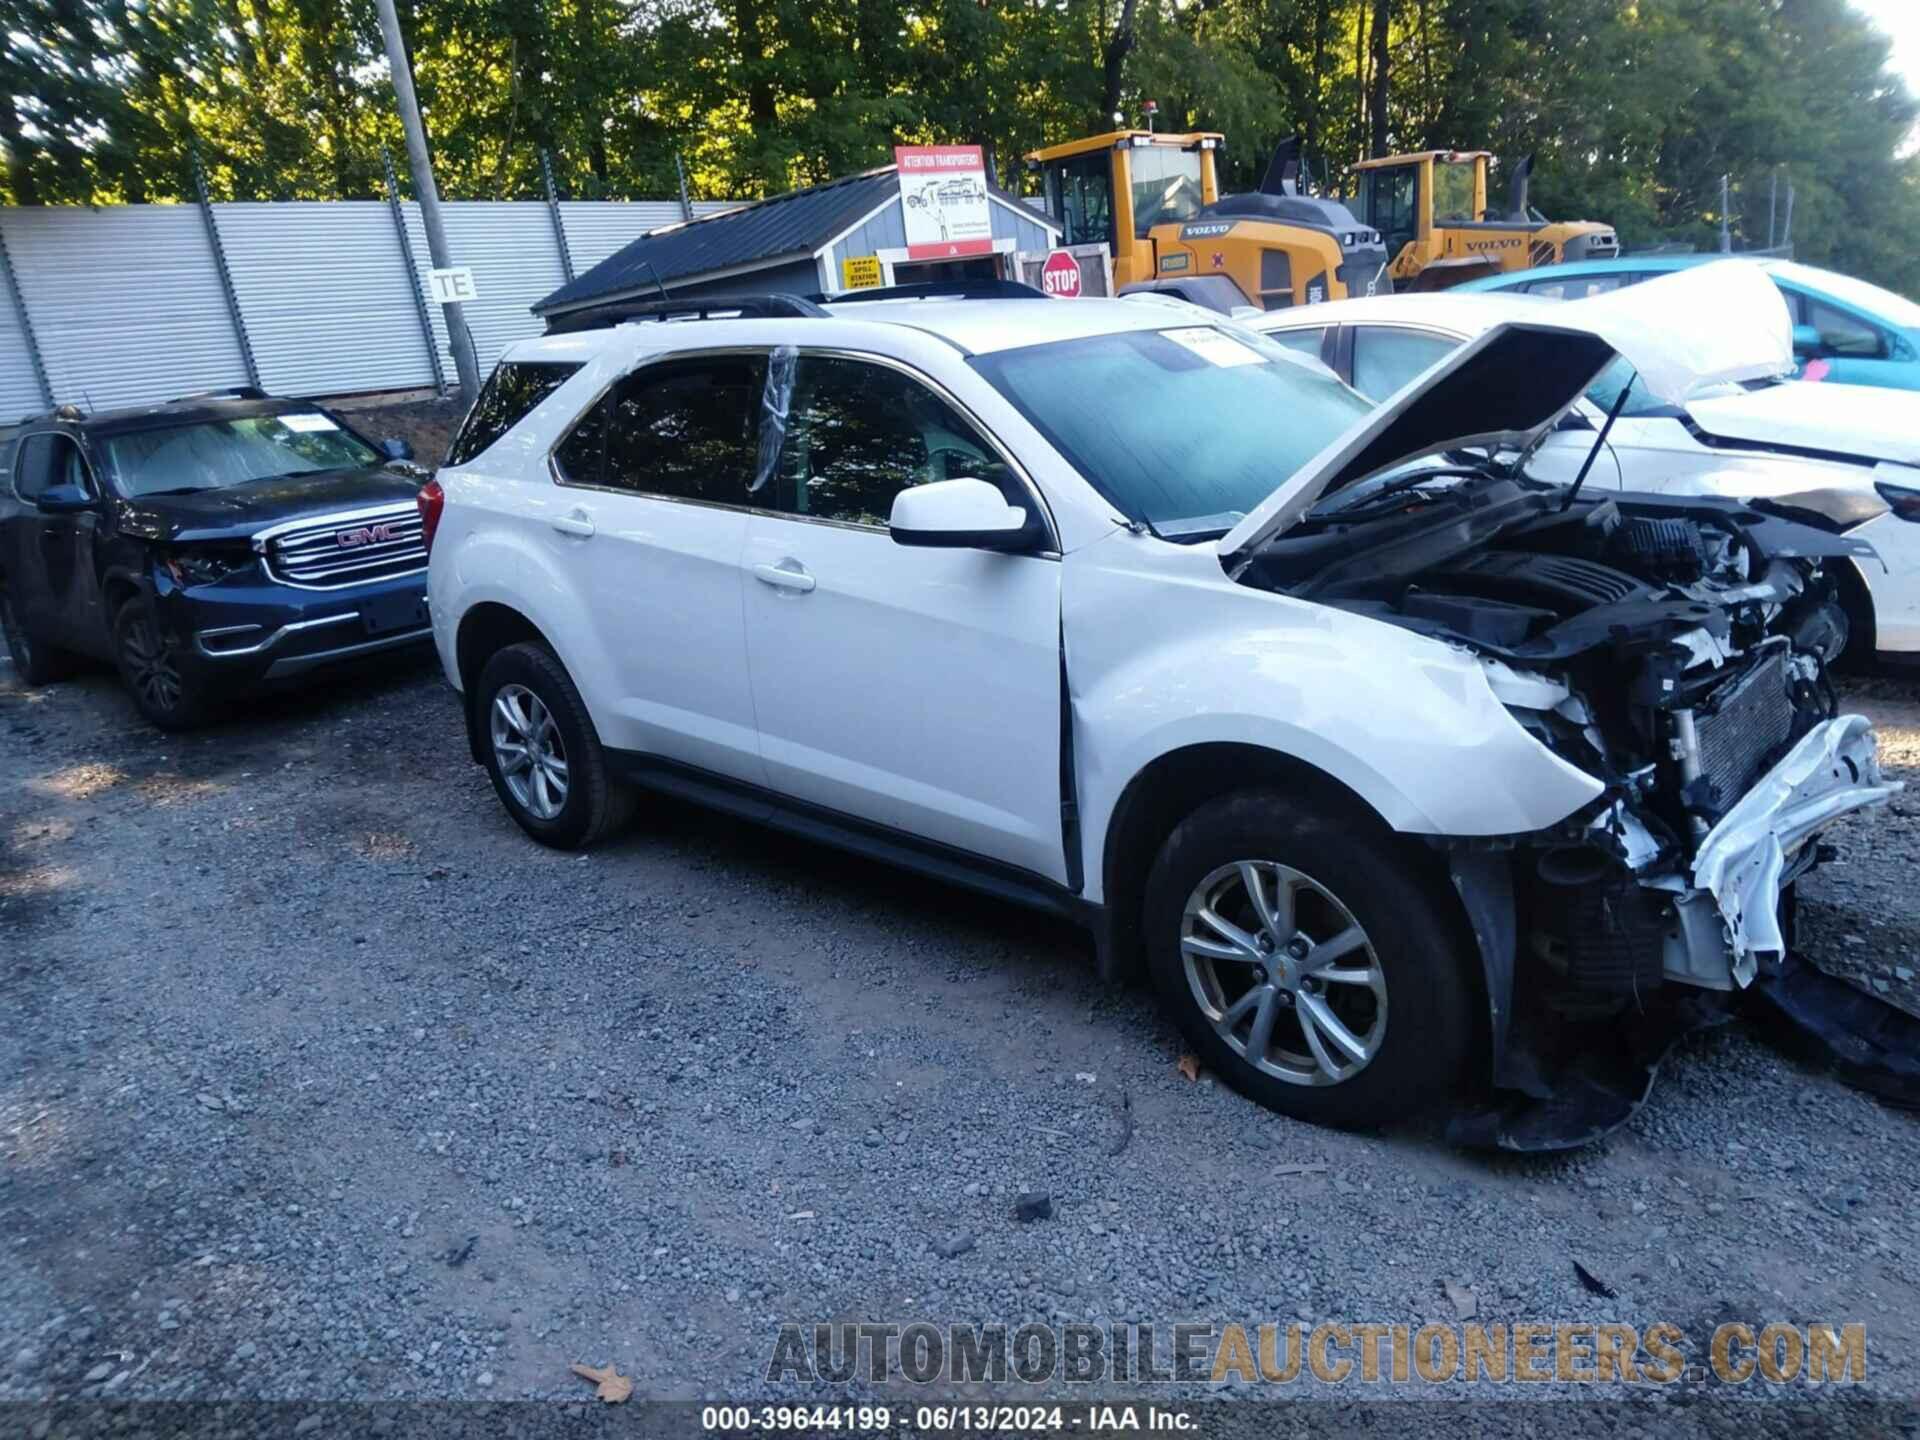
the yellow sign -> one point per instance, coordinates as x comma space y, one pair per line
860, 272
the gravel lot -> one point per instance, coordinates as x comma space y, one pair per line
318, 1080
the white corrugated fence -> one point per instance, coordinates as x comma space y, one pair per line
126, 304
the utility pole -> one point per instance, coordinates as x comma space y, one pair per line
428, 194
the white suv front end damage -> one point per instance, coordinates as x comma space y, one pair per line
1674, 649
1747, 860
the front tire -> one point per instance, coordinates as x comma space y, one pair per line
1307, 963
38, 664
162, 687
542, 753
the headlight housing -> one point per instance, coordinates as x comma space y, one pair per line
206, 564
1902, 501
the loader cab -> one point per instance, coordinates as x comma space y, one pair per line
1405, 197
1113, 189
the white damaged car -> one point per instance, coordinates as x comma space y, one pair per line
1086, 605
1844, 458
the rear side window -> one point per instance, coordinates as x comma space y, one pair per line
1307, 341
513, 389
1386, 358
682, 431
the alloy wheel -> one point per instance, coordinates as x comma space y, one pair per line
1284, 973
150, 666
528, 749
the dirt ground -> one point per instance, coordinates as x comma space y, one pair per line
422, 420
319, 1081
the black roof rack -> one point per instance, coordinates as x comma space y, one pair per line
716, 307
939, 290
231, 392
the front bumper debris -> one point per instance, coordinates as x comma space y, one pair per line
1565, 1080
1743, 861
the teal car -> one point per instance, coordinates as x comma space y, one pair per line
1845, 331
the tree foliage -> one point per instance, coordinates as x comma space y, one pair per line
1634, 108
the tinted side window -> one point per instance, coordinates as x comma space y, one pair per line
1385, 358
582, 454
859, 434
686, 430
511, 391
1841, 334
1307, 341
40, 466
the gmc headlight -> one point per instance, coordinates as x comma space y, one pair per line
204, 565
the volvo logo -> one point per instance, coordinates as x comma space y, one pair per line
365, 535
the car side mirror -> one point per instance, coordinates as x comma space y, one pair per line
395, 448
1807, 342
963, 514
64, 498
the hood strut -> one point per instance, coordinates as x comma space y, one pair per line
1619, 404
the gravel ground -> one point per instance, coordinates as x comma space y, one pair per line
319, 1081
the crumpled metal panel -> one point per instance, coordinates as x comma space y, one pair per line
1832, 771
126, 302
324, 290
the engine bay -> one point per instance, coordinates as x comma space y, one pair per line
1676, 649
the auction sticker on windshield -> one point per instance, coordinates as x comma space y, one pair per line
307, 424
1215, 347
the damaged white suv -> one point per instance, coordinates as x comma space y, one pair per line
1082, 604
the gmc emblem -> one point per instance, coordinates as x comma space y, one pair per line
365, 535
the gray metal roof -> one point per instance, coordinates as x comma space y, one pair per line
783, 227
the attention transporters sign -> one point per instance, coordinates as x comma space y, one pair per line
943, 197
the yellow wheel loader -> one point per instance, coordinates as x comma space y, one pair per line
1154, 199
1432, 210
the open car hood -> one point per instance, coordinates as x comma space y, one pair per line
1860, 422
1682, 332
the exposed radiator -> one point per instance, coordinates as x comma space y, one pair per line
1744, 727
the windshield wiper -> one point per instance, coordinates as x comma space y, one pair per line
181, 490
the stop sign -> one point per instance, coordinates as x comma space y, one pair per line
1060, 276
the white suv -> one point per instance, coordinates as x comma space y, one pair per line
1072, 602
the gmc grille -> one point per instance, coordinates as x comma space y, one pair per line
342, 550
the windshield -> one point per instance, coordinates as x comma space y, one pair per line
1643, 402
1166, 186
1453, 191
1186, 429
217, 453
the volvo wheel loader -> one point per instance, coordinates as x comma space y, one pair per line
1155, 200
1432, 210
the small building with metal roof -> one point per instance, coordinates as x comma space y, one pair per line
799, 243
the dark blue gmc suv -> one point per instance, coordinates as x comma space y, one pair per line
206, 547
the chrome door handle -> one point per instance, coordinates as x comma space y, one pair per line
574, 522
787, 575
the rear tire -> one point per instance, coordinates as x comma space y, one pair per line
163, 690
38, 664
1340, 994
542, 752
